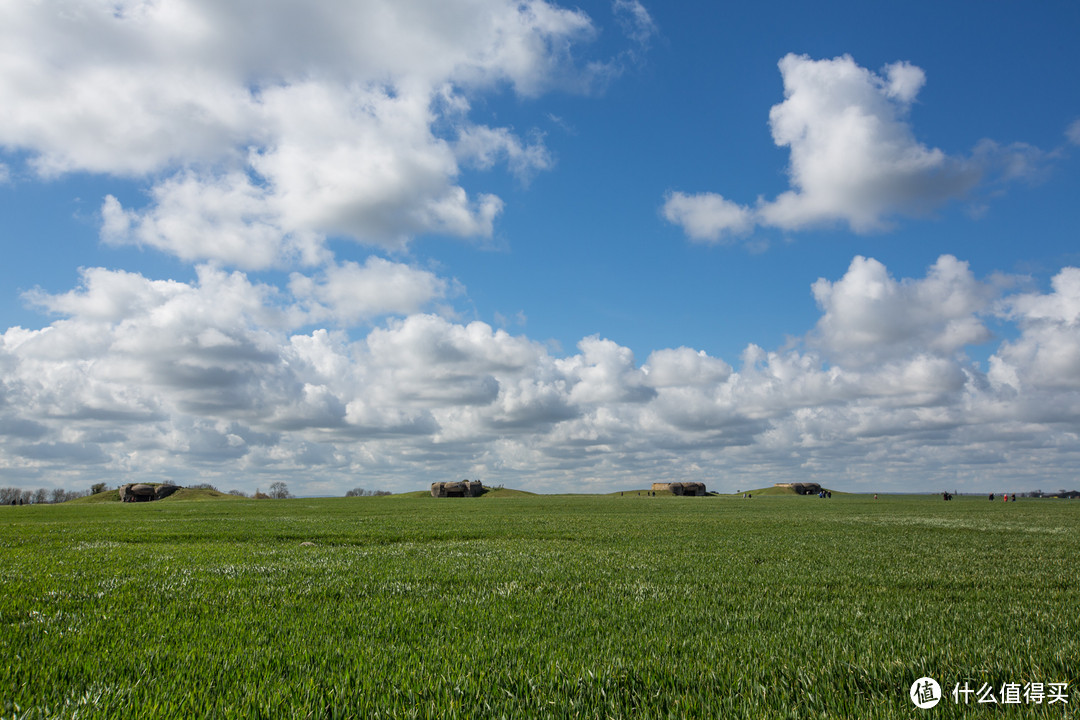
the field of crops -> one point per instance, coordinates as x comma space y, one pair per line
518, 607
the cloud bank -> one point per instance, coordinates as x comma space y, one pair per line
854, 158
216, 378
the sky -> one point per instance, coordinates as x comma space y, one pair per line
558, 247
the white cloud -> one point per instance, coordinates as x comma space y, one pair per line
213, 377
274, 127
707, 216
870, 317
684, 367
350, 293
483, 147
1073, 132
854, 157
903, 81
1047, 352
635, 20
1062, 306
227, 219
604, 372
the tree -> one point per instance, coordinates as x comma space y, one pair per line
280, 491
361, 492
98, 488
238, 493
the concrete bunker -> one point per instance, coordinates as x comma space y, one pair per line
464, 488
144, 492
695, 489
801, 488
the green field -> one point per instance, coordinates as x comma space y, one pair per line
535, 606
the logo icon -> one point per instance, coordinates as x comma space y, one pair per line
925, 693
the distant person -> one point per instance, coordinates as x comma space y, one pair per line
991, 497
1014, 497
1005, 497
875, 496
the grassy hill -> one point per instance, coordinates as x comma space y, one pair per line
107, 496
506, 492
112, 496
488, 493
200, 494
645, 491
783, 491
770, 491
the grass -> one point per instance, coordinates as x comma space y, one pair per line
189, 494
534, 606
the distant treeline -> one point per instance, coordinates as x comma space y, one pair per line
1063, 493
20, 496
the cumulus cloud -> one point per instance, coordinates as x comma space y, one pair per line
350, 293
707, 216
266, 128
870, 317
1073, 132
605, 372
227, 218
1047, 352
221, 375
854, 157
682, 367
483, 146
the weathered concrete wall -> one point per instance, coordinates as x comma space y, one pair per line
141, 492
464, 488
681, 488
801, 488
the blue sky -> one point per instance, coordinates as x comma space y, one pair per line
551, 246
